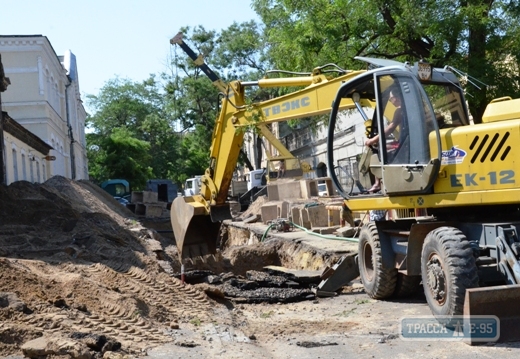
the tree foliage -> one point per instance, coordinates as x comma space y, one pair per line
119, 155
167, 126
478, 37
131, 125
174, 118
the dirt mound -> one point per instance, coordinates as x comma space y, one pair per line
72, 259
255, 208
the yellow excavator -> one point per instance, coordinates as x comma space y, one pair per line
456, 180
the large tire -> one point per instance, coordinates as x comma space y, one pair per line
448, 268
406, 285
379, 282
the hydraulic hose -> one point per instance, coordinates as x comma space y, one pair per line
325, 236
266, 231
348, 239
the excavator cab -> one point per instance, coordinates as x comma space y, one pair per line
404, 122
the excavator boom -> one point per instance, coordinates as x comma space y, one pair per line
195, 220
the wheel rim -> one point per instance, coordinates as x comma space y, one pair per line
367, 261
436, 279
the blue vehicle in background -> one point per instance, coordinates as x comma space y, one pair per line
118, 188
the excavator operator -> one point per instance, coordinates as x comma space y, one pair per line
395, 99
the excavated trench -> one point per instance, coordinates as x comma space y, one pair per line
247, 270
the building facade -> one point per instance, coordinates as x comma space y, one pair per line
25, 154
44, 98
309, 145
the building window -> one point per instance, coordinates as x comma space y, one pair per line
37, 171
24, 169
31, 169
56, 98
15, 165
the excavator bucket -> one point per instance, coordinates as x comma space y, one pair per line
500, 301
195, 231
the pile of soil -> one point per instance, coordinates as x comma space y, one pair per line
74, 261
255, 208
80, 275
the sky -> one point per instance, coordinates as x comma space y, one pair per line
117, 38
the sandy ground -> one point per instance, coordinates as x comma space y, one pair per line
74, 263
347, 326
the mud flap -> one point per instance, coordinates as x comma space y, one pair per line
196, 232
501, 301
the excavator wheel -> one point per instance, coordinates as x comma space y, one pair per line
448, 268
379, 282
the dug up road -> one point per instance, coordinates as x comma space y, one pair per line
81, 277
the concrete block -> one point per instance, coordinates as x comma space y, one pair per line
290, 189
252, 219
344, 271
333, 217
153, 210
150, 197
309, 188
348, 232
137, 197
296, 215
272, 192
269, 212
140, 209
318, 216
330, 186
325, 230
283, 209
131, 207
304, 215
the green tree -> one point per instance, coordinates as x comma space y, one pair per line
130, 117
175, 117
119, 155
477, 36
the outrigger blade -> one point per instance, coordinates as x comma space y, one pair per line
501, 301
195, 231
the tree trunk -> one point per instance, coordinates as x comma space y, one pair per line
477, 62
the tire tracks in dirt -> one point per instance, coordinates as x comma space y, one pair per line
165, 300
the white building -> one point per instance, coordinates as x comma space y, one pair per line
310, 146
25, 153
44, 98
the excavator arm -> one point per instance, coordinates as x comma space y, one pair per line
198, 60
196, 219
